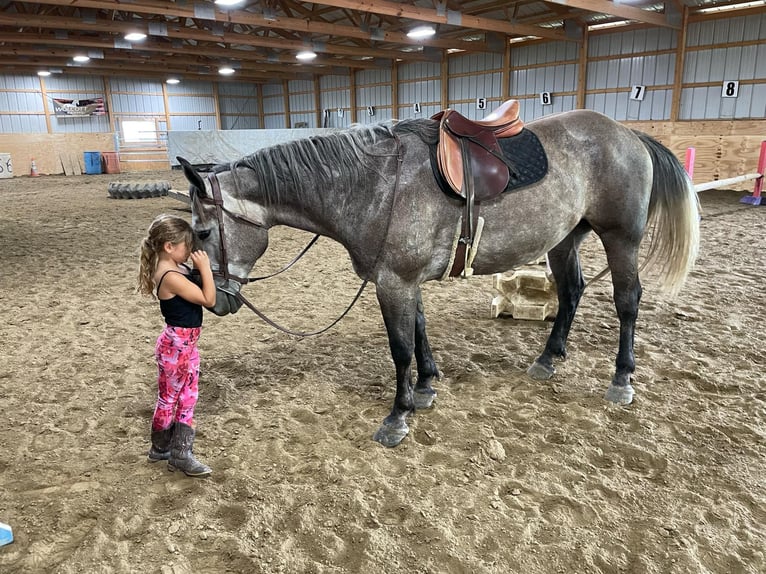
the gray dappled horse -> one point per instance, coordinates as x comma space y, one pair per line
398, 226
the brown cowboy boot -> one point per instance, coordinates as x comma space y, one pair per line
181, 456
161, 444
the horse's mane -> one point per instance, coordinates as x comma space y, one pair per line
340, 159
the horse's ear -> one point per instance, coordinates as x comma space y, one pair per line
191, 174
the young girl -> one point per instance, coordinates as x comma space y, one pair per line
164, 252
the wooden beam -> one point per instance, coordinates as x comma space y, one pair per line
242, 17
619, 10
675, 103
401, 10
177, 31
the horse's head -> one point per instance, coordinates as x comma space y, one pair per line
233, 239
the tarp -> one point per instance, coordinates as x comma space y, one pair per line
201, 147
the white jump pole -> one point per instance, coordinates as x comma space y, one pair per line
754, 199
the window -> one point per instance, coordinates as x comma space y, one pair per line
139, 131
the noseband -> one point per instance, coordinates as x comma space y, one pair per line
223, 270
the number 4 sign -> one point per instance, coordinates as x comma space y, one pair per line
730, 89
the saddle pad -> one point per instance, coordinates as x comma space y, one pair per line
523, 151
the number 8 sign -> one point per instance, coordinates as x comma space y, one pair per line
730, 89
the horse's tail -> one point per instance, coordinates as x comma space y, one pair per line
674, 215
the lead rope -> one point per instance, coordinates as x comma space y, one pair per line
241, 298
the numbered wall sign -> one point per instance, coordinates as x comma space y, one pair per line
481, 103
637, 93
370, 111
730, 89
545, 98
340, 112
416, 107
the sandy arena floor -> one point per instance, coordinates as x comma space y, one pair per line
504, 475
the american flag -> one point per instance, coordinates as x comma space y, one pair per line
79, 108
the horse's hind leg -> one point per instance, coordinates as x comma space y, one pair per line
427, 370
564, 260
622, 255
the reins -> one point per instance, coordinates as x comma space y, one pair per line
223, 270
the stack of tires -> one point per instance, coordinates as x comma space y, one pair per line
137, 190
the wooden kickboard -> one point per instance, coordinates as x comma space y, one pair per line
71, 163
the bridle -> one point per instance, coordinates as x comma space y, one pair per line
223, 267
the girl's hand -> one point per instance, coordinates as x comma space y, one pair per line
200, 260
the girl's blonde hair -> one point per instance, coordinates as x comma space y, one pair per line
164, 228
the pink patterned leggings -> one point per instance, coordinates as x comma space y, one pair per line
177, 376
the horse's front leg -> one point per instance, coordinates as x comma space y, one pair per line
427, 369
399, 307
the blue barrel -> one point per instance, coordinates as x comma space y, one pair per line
92, 162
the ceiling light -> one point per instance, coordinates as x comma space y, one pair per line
227, 2
305, 55
728, 7
81, 59
44, 73
606, 25
172, 81
421, 32
226, 71
135, 36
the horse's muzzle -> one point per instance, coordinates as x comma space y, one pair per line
226, 300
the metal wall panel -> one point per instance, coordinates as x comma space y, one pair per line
271, 89
237, 106
138, 104
415, 70
21, 101
238, 89
302, 102
424, 91
373, 96
426, 111
274, 105
304, 118
375, 76
332, 82
240, 122
191, 105
22, 124
274, 122
12, 82
191, 123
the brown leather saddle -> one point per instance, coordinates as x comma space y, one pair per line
472, 162
468, 147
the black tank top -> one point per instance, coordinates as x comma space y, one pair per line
179, 312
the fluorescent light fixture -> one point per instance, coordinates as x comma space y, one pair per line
227, 2
523, 39
135, 36
44, 73
305, 55
421, 32
172, 81
609, 25
81, 59
728, 7
226, 71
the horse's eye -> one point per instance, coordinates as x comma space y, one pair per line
204, 234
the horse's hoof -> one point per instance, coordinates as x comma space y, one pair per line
540, 372
619, 395
424, 399
391, 435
